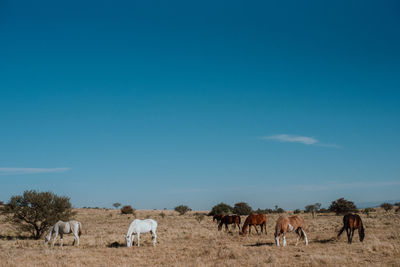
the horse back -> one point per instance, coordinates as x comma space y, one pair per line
256, 219
297, 222
352, 221
144, 226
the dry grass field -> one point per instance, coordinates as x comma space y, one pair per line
184, 241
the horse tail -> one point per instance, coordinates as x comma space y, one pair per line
79, 229
244, 227
345, 224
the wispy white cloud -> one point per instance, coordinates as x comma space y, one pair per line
18, 171
291, 138
306, 140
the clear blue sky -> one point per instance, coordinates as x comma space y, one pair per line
160, 103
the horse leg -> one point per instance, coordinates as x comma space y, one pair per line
76, 238
55, 239
348, 235
138, 239
352, 234
297, 236
284, 239
226, 227
61, 240
154, 237
305, 236
277, 240
255, 226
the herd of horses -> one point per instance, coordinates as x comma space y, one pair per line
284, 225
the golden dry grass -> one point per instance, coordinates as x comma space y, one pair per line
183, 241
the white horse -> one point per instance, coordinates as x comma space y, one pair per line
140, 227
61, 228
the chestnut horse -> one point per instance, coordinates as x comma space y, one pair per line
288, 224
350, 223
229, 219
254, 220
218, 217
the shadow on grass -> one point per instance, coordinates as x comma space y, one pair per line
260, 244
19, 237
324, 241
116, 245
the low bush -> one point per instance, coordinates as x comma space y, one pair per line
127, 210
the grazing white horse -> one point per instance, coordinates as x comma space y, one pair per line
61, 228
140, 227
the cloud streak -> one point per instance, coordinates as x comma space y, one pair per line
305, 140
20, 171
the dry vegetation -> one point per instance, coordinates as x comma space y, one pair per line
184, 241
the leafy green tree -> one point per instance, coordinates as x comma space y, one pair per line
342, 206
221, 208
35, 212
242, 208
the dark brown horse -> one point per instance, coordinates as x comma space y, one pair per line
229, 219
255, 220
218, 217
352, 222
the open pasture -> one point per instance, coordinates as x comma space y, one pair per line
184, 241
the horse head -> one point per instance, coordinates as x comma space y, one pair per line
128, 239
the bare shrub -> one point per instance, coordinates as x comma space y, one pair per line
367, 211
313, 208
199, 217
116, 205
182, 209
387, 206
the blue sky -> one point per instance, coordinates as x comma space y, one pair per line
160, 103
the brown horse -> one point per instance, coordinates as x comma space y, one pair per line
218, 217
254, 220
350, 223
288, 224
229, 219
